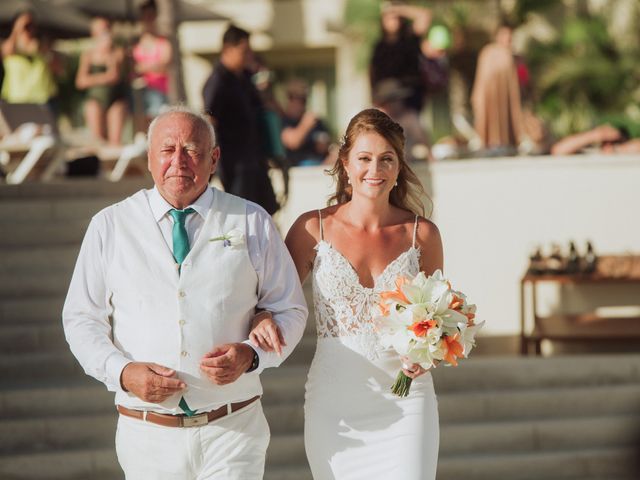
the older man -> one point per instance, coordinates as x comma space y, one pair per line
160, 307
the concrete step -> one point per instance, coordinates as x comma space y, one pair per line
537, 403
287, 473
76, 189
284, 418
286, 449
554, 434
513, 373
78, 464
23, 310
57, 433
51, 210
304, 351
31, 368
35, 284
284, 384
32, 337
69, 232
38, 258
84, 397
598, 463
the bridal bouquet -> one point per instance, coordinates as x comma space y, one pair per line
428, 322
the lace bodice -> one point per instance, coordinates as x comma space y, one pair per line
343, 307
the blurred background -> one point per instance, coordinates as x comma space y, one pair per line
522, 120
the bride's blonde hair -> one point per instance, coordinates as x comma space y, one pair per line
408, 192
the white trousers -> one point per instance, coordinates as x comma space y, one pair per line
231, 448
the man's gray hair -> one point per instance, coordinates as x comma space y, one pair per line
198, 118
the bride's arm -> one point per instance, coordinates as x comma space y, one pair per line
301, 241
431, 259
430, 243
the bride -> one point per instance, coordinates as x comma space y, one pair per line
354, 426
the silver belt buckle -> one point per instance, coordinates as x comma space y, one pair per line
195, 420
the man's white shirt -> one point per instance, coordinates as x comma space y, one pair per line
86, 311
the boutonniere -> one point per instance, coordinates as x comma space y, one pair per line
233, 238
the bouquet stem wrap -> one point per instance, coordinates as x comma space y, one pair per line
402, 385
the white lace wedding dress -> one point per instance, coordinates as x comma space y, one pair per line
355, 428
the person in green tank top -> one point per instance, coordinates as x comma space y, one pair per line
101, 76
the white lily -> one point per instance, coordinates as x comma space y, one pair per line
468, 337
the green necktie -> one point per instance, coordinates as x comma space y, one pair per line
180, 237
180, 251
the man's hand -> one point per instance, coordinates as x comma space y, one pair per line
225, 364
150, 382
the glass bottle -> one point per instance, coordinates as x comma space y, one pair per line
590, 259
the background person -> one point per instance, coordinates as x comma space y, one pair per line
305, 136
495, 98
397, 54
607, 137
235, 108
30, 65
152, 57
101, 75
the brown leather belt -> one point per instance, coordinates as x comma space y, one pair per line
183, 420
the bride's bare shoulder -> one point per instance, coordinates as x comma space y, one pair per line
430, 242
306, 229
309, 222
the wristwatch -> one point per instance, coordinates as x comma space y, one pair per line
254, 363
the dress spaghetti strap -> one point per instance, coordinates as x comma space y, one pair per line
415, 230
321, 232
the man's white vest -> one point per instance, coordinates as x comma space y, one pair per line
187, 313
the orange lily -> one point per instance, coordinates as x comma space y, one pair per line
422, 327
396, 294
384, 308
456, 302
454, 349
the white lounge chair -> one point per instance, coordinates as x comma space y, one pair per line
30, 143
